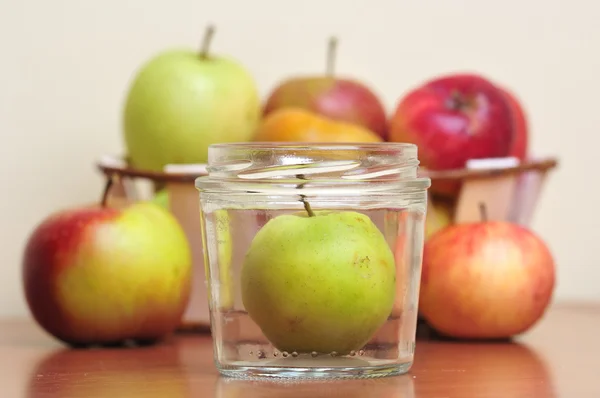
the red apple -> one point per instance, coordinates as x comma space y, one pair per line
485, 280
520, 144
103, 275
337, 98
453, 119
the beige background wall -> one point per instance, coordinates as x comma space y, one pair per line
64, 65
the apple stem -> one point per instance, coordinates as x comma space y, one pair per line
483, 212
206, 40
307, 207
331, 55
106, 191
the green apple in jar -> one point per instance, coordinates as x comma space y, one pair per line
321, 281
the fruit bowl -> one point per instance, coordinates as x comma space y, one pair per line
510, 190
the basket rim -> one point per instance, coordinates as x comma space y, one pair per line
117, 165
540, 165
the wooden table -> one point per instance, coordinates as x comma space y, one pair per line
560, 357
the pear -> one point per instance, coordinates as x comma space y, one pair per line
319, 282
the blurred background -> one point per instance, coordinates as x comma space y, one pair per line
66, 65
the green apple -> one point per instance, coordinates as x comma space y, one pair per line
182, 101
322, 283
439, 216
161, 198
104, 275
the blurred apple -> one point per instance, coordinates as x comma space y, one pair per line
453, 119
104, 275
300, 125
337, 98
520, 144
161, 198
181, 101
439, 216
485, 280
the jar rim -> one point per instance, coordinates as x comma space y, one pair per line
332, 145
252, 166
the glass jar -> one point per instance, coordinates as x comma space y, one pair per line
313, 257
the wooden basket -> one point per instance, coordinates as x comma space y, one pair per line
509, 189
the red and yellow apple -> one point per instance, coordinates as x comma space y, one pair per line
485, 280
339, 99
102, 275
335, 97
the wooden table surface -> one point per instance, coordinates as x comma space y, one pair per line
560, 357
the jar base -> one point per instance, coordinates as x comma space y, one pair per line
300, 373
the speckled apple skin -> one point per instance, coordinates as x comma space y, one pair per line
323, 284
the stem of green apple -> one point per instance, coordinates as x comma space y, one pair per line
307, 207
331, 54
206, 40
483, 212
106, 191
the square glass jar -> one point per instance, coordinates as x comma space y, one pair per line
313, 257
